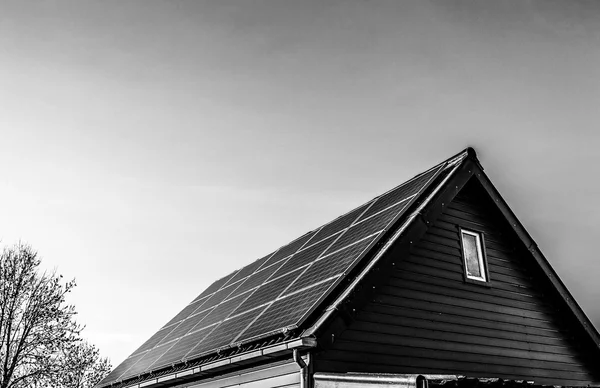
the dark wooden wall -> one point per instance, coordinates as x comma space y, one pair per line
426, 319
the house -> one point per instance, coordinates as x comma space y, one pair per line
433, 281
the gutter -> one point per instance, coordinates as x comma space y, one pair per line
226, 363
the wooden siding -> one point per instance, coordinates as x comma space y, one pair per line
279, 375
427, 319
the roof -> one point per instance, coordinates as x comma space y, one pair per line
292, 292
276, 293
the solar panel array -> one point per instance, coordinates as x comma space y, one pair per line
274, 292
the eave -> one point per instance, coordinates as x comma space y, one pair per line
238, 361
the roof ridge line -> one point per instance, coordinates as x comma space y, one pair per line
449, 161
456, 161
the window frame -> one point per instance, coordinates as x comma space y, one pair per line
483, 264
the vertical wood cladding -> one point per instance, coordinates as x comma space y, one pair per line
427, 319
278, 375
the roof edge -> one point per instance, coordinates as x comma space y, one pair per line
456, 161
204, 370
538, 256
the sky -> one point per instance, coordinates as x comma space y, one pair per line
151, 147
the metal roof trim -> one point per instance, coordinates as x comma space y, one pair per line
270, 351
327, 380
334, 380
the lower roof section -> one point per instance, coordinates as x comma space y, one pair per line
216, 366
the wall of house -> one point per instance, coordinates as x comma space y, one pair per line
427, 319
280, 375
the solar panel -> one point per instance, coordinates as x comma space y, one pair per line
285, 312
340, 223
178, 351
400, 193
225, 333
187, 311
155, 339
249, 269
218, 297
148, 359
257, 278
289, 249
268, 291
330, 265
222, 311
367, 227
123, 367
305, 256
215, 286
277, 291
185, 326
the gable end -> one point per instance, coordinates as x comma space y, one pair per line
414, 313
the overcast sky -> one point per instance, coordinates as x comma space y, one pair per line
148, 148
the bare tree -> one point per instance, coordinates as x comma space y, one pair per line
81, 366
39, 339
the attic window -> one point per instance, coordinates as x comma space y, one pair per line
475, 267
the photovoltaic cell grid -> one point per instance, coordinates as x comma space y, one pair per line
183, 346
116, 373
273, 292
215, 286
399, 194
289, 249
257, 278
268, 291
186, 312
155, 339
367, 227
304, 256
225, 333
186, 326
341, 223
249, 269
286, 311
330, 265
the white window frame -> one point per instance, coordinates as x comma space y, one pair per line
480, 256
